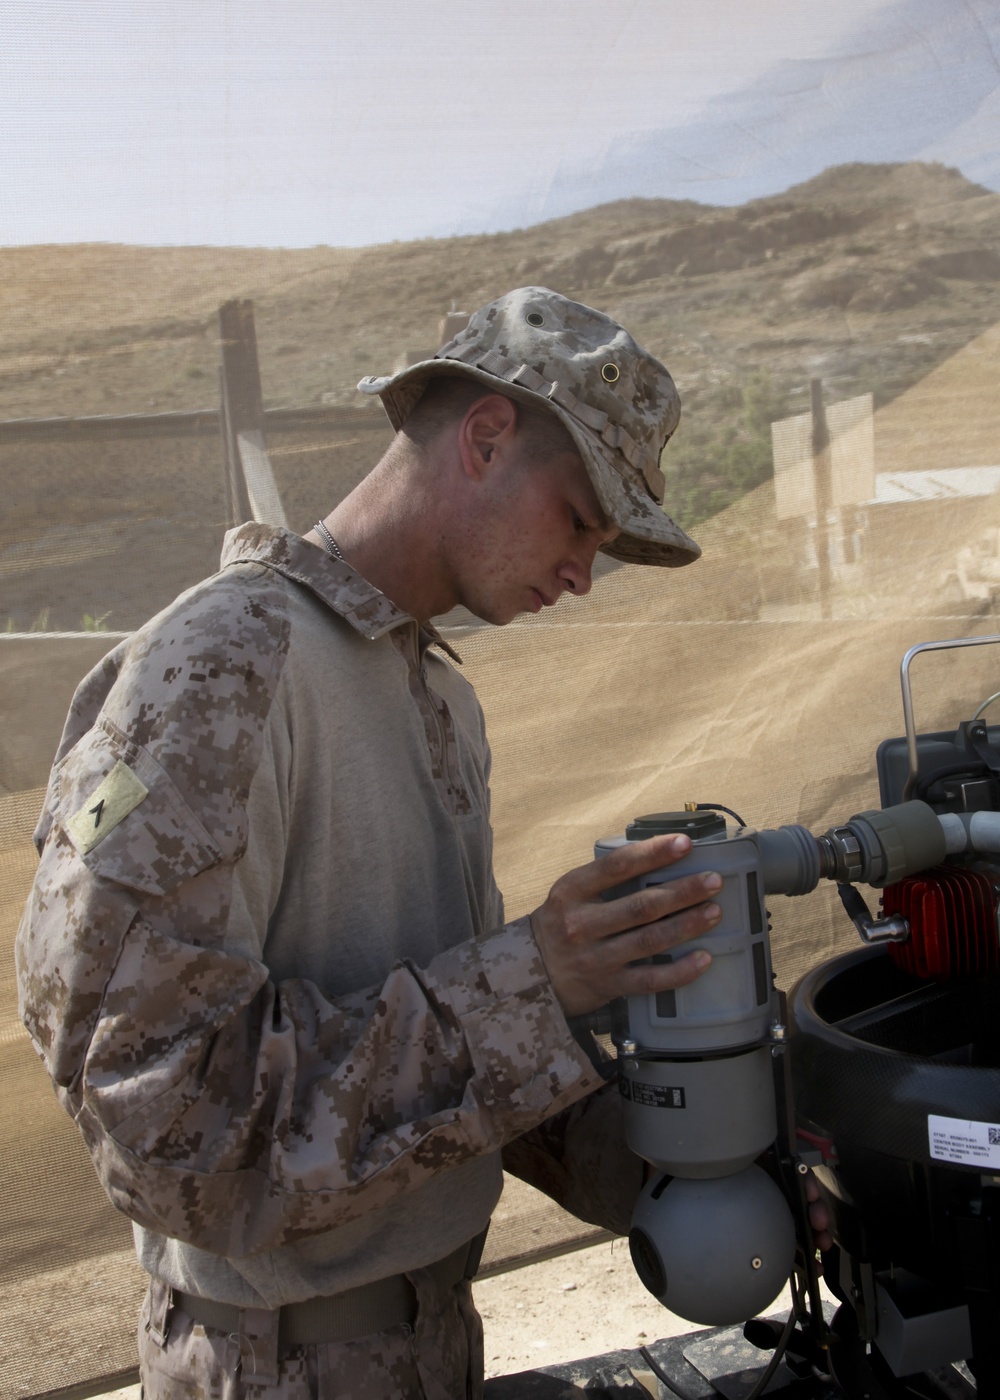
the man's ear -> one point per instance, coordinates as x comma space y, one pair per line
489, 426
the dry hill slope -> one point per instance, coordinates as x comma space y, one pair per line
866, 275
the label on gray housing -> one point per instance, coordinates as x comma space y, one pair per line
652, 1095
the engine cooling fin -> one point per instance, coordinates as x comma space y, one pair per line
952, 913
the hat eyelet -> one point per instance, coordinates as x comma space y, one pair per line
535, 318
610, 373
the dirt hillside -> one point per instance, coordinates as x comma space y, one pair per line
868, 276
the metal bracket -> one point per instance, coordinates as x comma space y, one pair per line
977, 738
904, 681
894, 930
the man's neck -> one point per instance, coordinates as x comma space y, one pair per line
385, 531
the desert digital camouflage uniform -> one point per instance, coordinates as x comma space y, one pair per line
265, 959
265, 963
439, 1357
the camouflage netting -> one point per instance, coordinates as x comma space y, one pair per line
755, 678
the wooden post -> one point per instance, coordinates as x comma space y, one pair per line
242, 399
251, 490
228, 467
824, 493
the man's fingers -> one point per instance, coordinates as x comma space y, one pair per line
819, 1215
626, 862
638, 944
822, 1238
655, 902
613, 964
589, 944
641, 909
650, 978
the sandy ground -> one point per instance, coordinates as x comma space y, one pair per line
578, 1305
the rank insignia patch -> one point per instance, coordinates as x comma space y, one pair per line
110, 803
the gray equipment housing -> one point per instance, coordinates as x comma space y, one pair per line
714, 1252
700, 1118
695, 1063
729, 1006
695, 1066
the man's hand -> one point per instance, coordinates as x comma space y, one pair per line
588, 944
819, 1216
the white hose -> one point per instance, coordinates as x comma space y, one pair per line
984, 831
979, 831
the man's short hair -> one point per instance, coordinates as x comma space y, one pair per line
448, 398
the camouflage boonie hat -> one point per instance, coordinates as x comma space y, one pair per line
617, 402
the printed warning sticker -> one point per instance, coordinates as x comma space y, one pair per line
961, 1140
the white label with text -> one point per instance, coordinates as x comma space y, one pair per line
962, 1140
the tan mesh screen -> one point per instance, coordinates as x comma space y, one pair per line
763, 677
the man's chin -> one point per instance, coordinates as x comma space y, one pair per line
495, 614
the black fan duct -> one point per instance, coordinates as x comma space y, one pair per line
892, 1077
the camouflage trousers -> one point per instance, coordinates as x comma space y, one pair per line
439, 1357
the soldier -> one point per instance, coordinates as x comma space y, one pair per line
265, 960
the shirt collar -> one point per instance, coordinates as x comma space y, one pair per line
336, 584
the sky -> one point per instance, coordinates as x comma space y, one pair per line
301, 122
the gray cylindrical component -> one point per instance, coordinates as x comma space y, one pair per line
714, 1252
699, 1118
899, 841
729, 1006
956, 831
789, 860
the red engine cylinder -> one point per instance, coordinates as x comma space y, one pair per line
952, 913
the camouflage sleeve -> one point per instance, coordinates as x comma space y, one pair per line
580, 1159
221, 1108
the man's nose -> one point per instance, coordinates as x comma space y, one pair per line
577, 574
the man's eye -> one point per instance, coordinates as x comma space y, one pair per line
579, 525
